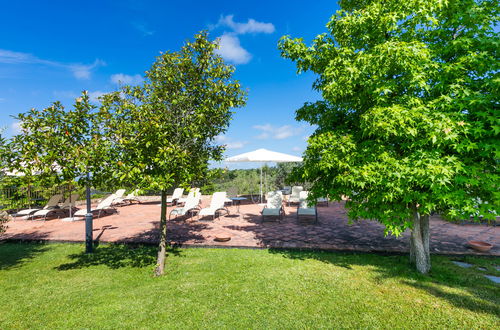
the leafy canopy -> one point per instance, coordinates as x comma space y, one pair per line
164, 130
409, 116
61, 144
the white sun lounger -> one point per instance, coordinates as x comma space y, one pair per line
192, 193
190, 206
104, 206
216, 205
132, 197
274, 206
175, 196
52, 203
68, 203
295, 195
305, 208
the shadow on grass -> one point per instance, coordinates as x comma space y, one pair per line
14, 254
445, 278
116, 256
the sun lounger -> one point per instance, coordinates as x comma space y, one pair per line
274, 206
216, 205
305, 208
118, 196
51, 204
295, 195
68, 204
129, 199
190, 206
175, 196
104, 206
191, 194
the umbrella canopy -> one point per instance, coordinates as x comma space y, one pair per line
264, 155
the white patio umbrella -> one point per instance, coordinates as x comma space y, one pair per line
264, 156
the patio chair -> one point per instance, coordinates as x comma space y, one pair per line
274, 206
305, 208
129, 199
68, 204
118, 196
191, 205
53, 203
192, 192
175, 196
323, 200
216, 205
104, 206
295, 195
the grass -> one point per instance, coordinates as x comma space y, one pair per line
58, 286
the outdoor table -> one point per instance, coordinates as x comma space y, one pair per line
238, 200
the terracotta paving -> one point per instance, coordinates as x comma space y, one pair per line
139, 224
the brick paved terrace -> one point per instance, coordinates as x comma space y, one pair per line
139, 223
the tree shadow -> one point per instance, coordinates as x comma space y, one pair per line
482, 295
179, 232
14, 254
116, 256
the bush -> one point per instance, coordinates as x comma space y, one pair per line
4, 217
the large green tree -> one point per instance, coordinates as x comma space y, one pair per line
164, 130
3, 154
59, 145
409, 123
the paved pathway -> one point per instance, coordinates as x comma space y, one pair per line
139, 223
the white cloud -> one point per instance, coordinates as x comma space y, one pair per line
65, 94
222, 139
79, 71
121, 78
16, 127
235, 145
229, 43
297, 149
93, 96
143, 28
251, 26
10, 57
230, 49
277, 133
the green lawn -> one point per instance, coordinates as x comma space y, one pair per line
57, 286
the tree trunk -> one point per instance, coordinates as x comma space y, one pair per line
419, 242
162, 248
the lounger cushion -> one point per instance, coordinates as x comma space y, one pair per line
269, 211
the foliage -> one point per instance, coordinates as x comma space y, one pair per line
409, 116
270, 289
4, 217
3, 153
61, 145
164, 131
247, 181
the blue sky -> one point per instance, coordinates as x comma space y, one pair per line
52, 50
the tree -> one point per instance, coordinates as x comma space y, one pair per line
63, 145
4, 154
408, 124
164, 130
4, 217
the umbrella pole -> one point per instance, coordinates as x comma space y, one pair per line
261, 183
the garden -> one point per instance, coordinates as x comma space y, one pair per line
404, 154
59, 286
